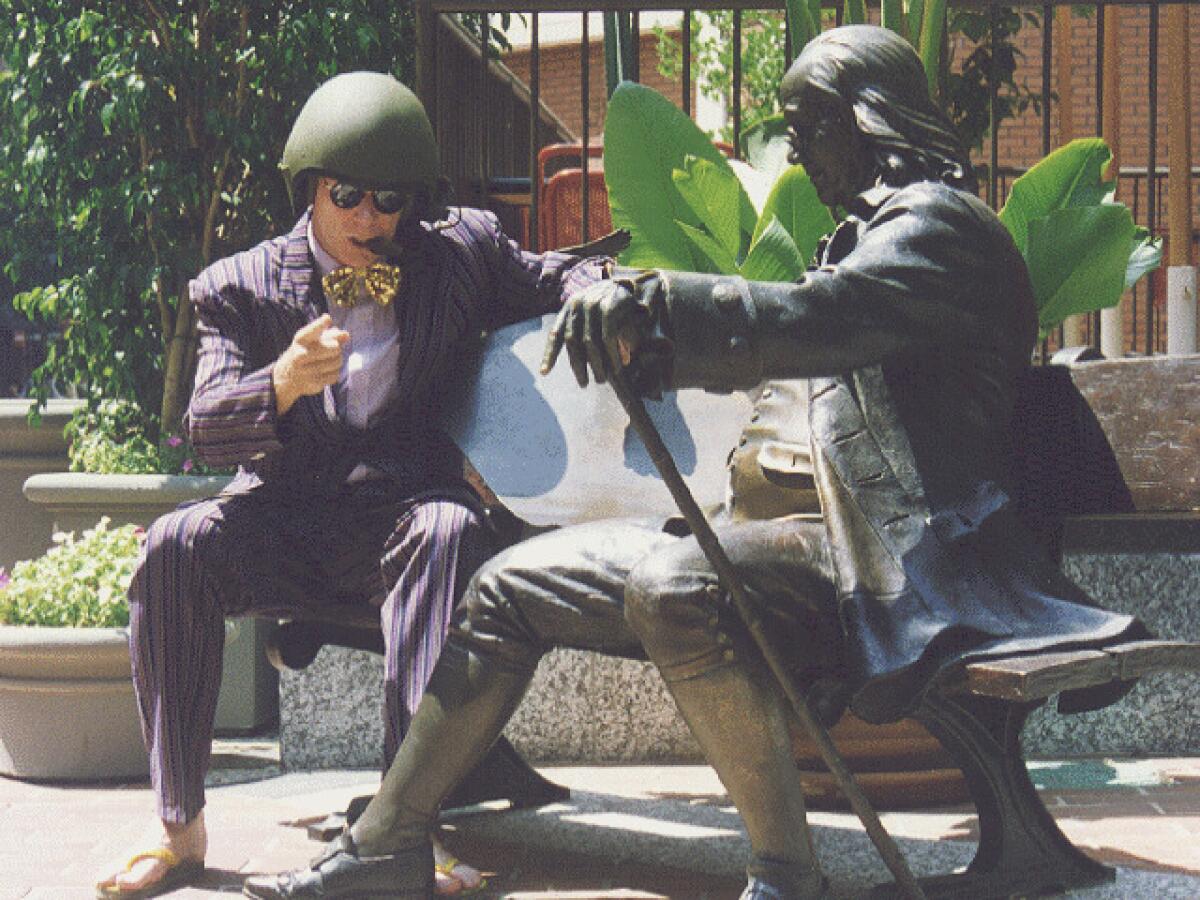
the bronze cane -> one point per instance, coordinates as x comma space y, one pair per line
729, 580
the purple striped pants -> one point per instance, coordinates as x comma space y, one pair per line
266, 554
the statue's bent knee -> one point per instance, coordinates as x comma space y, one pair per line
680, 618
489, 623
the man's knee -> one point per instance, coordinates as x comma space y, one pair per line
179, 538
429, 532
177, 545
439, 516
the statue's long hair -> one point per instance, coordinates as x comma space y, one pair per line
878, 74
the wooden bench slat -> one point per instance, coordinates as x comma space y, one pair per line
1037, 676
1143, 657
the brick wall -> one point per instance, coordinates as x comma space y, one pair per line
559, 70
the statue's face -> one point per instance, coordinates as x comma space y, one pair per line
826, 141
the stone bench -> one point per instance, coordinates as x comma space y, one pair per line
583, 707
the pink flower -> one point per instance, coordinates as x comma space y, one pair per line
174, 441
188, 465
5, 578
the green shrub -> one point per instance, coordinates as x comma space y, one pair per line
79, 581
110, 438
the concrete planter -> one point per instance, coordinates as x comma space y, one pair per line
73, 501
25, 529
67, 709
77, 500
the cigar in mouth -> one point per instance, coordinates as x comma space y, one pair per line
384, 246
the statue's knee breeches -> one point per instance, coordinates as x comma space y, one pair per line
488, 621
679, 613
688, 624
559, 589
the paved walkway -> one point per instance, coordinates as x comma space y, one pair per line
628, 831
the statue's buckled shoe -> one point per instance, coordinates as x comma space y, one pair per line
342, 872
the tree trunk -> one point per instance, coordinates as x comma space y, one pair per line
179, 365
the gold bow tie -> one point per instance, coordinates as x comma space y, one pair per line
380, 280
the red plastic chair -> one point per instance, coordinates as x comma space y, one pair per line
560, 221
560, 204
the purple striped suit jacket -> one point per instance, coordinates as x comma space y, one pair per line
458, 282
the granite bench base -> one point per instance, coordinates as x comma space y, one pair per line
586, 708
581, 707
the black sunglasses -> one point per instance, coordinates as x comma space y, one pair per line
347, 196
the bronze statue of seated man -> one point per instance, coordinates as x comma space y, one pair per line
913, 330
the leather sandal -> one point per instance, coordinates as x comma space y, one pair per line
447, 868
180, 873
342, 872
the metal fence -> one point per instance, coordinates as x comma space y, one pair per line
499, 161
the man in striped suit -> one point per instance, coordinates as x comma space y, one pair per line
322, 356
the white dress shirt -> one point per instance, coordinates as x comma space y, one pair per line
368, 381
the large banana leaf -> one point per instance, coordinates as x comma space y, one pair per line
773, 256
1073, 175
928, 40
793, 203
767, 147
710, 255
718, 199
1146, 256
1082, 248
646, 137
1077, 260
804, 22
891, 16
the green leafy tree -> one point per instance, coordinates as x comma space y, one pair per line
139, 142
927, 24
763, 60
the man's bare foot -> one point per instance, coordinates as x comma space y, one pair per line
452, 876
188, 842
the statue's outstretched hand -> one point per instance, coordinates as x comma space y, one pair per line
612, 322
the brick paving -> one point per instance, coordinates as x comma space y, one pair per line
629, 831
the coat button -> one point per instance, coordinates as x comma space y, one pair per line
727, 297
738, 344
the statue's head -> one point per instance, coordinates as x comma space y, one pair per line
858, 110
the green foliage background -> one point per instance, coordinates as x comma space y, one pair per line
78, 582
139, 142
963, 91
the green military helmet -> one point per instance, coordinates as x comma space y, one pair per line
364, 127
